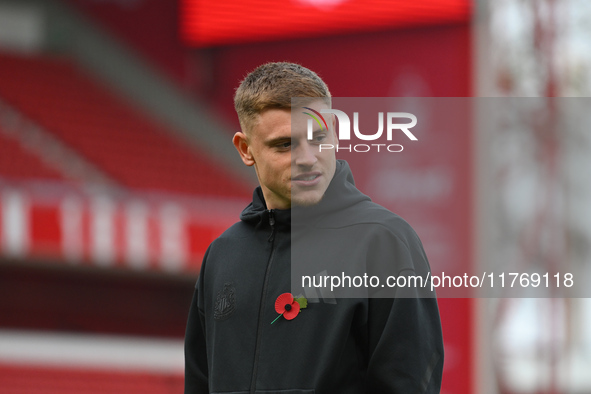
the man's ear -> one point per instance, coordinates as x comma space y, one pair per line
242, 146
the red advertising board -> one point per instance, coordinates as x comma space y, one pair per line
210, 23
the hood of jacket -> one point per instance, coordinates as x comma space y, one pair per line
340, 195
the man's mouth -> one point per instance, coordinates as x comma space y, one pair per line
307, 179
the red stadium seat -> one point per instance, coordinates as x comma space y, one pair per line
16, 162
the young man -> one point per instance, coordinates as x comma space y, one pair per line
243, 335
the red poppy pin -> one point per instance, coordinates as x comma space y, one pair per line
288, 306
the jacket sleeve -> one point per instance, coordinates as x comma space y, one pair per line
405, 346
405, 341
196, 369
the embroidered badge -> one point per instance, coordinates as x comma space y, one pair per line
288, 306
225, 302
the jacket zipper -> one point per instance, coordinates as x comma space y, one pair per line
262, 304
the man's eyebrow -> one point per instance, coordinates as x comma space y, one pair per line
316, 132
278, 140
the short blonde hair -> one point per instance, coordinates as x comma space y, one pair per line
273, 85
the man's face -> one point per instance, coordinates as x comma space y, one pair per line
290, 168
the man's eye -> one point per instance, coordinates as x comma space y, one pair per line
284, 145
320, 138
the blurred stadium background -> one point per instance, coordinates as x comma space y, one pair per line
117, 171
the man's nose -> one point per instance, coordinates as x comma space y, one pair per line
304, 155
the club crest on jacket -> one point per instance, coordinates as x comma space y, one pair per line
225, 302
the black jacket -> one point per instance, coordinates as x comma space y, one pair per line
335, 345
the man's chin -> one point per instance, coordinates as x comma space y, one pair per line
305, 200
